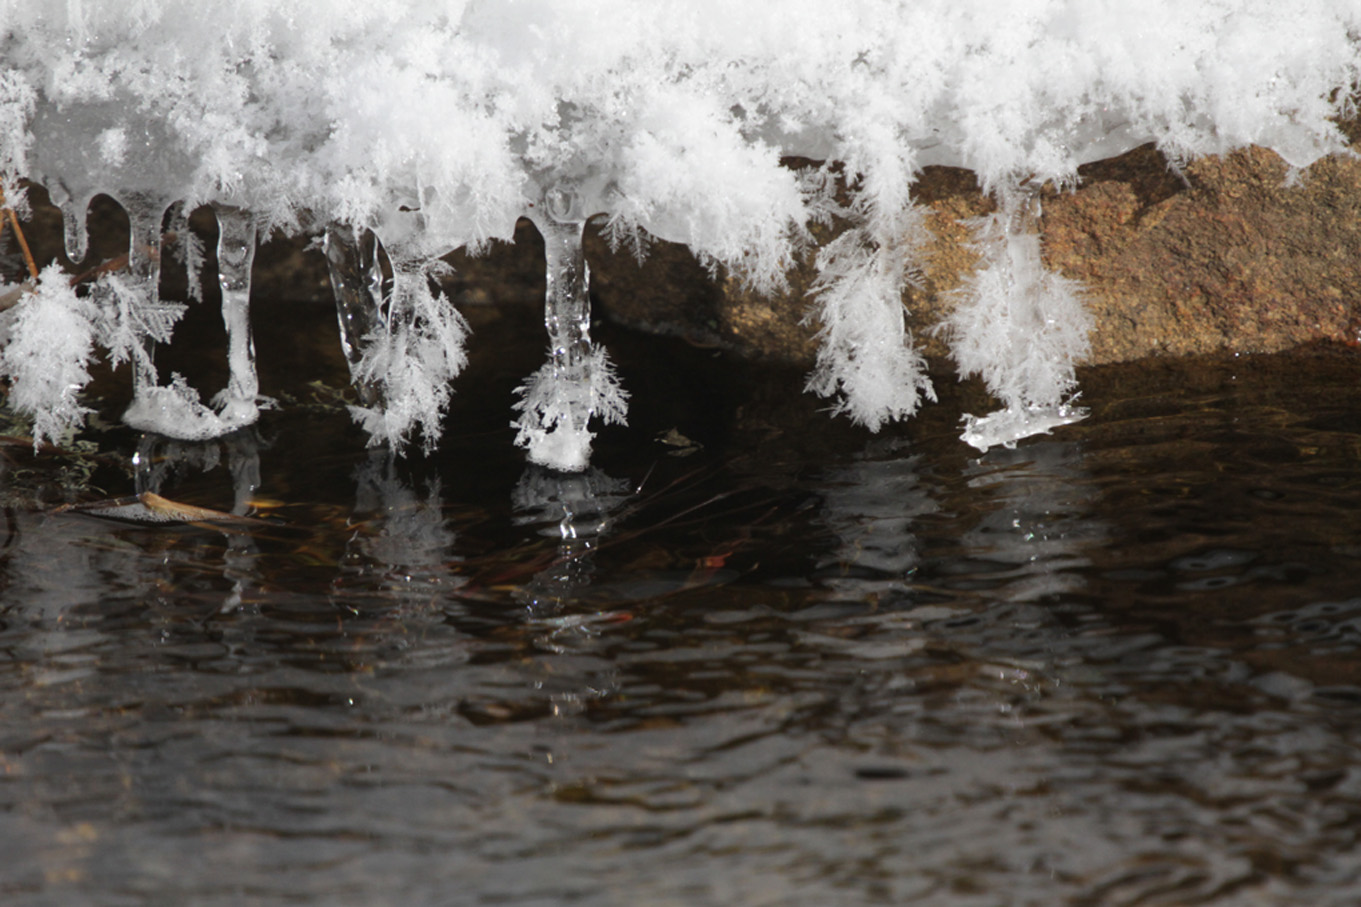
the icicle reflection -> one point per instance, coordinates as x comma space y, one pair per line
1043, 526
871, 506
576, 509
401, 531
158, 461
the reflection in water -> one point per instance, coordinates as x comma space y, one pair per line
159, 458
400, 542
1040, 529
871, 505
572, 507
1116, 666
395, 527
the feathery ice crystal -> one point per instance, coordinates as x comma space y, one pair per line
409, 129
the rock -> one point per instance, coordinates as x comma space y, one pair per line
1233, 259
1226, 255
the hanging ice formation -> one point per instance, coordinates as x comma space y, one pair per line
237, 404
112, 144
404, 344
142, 320
357, 283
577, 382
1018, 326
135, 319
433, 126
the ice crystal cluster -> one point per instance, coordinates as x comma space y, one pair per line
405, 129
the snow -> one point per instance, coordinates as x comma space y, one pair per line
431, 126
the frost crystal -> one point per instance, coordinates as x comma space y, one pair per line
409, 358
435, 126
1020, 327
49, 337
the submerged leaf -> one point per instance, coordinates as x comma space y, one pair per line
149, 507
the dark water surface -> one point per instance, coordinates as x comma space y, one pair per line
798, 664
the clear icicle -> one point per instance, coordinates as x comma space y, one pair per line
187, 247
402, 340
1021, 327
357, 282
146, 215
237, 405
74, 217
173, 410
578, 381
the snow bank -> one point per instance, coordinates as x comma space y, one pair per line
433, 126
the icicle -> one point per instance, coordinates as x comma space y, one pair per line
235, 255
187, 247
357, 283
74, 216
1020, 327
402, 341
174, 410
145, 217
578, 380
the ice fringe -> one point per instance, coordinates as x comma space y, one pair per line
443, 119
1018, 326
866, 360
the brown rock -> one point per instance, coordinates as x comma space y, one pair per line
1233, 259
1224, 256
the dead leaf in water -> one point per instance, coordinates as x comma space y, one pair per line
149, 507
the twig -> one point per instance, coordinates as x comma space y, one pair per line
117, 263
19, 235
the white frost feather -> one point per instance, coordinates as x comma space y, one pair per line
1021, 328
866, 360
411, 358
49, 338
557, 404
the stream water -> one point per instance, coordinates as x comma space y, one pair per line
754, 656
